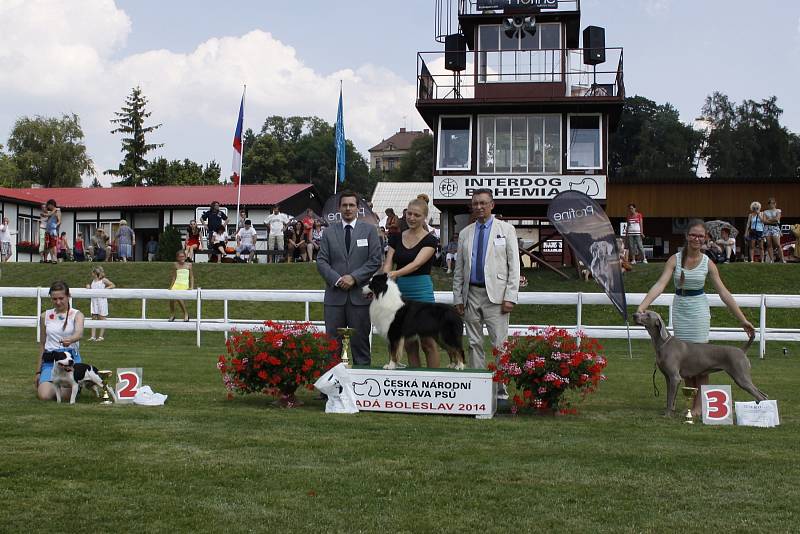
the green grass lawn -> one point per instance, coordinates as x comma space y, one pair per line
205, 464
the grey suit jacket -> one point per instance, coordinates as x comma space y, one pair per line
333, 261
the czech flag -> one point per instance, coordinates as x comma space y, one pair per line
237, 147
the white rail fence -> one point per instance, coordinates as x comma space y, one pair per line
225, 323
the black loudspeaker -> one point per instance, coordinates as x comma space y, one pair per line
594, 45
455, 52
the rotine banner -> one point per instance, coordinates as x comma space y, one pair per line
585, 227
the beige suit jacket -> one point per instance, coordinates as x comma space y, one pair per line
501, 265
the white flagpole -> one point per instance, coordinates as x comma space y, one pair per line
241, 163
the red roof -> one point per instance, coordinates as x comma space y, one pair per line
156, 196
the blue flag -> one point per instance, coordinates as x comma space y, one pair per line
340, 141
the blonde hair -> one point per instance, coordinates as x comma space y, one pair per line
423, 196
421, 205
755, 205
99, 272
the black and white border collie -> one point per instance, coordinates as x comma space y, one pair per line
67, 373
397, 319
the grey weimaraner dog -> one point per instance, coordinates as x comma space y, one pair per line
677, 359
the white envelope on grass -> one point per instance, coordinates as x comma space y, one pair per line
763, 414
338, 386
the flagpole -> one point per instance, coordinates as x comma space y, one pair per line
241, 164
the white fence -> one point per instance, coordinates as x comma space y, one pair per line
225, 323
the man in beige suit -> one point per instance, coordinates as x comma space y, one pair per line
486, 279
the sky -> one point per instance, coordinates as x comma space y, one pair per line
192, 58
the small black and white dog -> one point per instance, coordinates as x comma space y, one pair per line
397, 319
67, 373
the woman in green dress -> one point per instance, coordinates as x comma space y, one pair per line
691, 316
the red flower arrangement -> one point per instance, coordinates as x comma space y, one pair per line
547, 363
277, 359
27, 246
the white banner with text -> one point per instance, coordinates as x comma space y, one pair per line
421, 391
519, 187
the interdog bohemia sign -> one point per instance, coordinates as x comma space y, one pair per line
432, 392
518, 187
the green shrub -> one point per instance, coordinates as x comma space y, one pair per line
169, 243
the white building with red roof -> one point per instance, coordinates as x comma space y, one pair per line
146, 209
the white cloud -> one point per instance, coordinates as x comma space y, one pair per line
657, 7
196, 94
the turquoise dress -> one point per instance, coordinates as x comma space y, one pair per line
691, 317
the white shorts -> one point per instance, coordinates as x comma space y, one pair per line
451, 256
5, 248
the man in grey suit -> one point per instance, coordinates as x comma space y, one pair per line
349, 254
486, 279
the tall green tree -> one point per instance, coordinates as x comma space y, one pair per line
176, 172
48, 151
651, 142
130, 123
416, 165
748, 140
8, 171
301, 150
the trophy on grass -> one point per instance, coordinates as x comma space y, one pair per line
689, 394
345, 333
106, 398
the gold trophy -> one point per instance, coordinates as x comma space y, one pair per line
345, 333
689, 394
106, 398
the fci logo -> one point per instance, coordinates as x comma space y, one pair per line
448, 187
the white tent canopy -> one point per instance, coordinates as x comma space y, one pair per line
397, 195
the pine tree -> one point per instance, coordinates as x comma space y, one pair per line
130, 123
96, 183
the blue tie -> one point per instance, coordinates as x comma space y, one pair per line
479, 276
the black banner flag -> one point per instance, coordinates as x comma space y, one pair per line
585, 227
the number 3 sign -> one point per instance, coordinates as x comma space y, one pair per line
128, 382
717, 405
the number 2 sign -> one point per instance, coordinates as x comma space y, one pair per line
128, 382
717, 405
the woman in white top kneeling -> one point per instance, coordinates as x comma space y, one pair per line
62, 327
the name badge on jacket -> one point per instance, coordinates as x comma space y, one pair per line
361, 243
500, 241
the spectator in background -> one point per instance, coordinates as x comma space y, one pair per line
451, 253
276, 226
43, 216
246, 238
726, 246
79, 250
53, 227
182, 279
125, 240
384, 239
754, 231
151, 248
402, 224
242, 219
100, 248
316, 238
392, 224
214, 220
772, 231
375, 218
99, 305
296, 242
308, 224
192, 240
634, 231
218, 240
62, 248
5, 240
